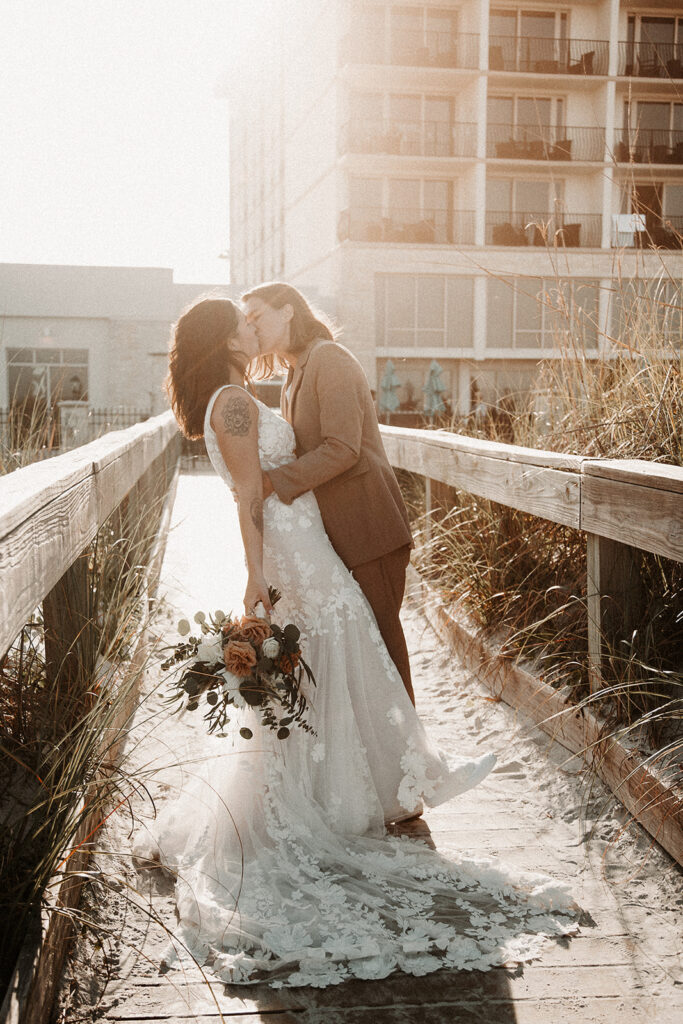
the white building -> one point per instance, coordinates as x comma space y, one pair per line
463, 176
95, 337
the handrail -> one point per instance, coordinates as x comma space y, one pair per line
415, 226
50, 511
627, 500
544, 142
620, 504
548, 56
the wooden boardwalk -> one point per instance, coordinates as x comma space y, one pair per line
534, 811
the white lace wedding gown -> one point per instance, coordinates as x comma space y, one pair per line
284, 869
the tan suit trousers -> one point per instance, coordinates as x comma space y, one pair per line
383, 581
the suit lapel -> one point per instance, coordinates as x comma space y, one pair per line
297, 377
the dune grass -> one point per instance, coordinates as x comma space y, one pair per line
523, 579
60, 725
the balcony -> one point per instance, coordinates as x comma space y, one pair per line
549, 56
651, 60
409, 138
412, 49
415, 227
544, 142
649, 146
569, 230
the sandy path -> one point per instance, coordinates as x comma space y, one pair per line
537, 810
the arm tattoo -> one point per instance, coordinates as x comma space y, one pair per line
236, 415
256, 509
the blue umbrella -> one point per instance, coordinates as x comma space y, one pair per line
388, 399
433, 390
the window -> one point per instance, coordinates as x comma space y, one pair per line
527, 40
423, 311
47, 375
538, 313
400, 210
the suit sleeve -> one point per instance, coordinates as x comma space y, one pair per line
339, 385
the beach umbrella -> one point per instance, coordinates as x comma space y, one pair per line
388, 399
434, 389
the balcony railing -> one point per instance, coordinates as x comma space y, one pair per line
409, 138
416, 227
572, 230
651, 60
412, 49
549, 56
649, 146
544, 142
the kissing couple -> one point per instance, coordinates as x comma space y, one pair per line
285, 871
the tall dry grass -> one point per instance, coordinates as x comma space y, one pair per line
60, 730
523, 579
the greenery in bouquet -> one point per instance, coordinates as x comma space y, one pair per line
237, 663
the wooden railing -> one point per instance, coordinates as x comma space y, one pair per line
621, 505
50, 511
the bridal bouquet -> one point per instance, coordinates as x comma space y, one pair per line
238, 663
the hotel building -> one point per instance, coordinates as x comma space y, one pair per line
464, 180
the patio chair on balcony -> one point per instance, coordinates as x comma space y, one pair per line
649, 68
496, 60
569, 235
562, 150
508, 234
660, 154
423, 232
582, 66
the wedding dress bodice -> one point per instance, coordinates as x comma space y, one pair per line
276, 441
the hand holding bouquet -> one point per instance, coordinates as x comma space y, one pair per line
239, 663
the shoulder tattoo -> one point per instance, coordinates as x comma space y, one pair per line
236, 415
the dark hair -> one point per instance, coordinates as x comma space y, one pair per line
306, 324
199, 360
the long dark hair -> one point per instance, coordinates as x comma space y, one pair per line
199, 360
306, 324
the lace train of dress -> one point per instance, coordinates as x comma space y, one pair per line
284, 871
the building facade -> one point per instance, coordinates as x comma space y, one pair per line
84, 339
467, 181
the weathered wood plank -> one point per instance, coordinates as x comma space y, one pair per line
637, 471
652, 803
644, 517
55, 515
489, 449
549, 493
576, 1010
538, 981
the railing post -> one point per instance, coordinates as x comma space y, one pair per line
428, 510
69, 630
614, 598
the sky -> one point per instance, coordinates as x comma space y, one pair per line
114, 125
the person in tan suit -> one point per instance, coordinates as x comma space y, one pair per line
340, 456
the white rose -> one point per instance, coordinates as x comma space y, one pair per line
231, 686
211, 648
270, 648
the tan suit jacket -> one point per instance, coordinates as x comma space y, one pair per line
340, 456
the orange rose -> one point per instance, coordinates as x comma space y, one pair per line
288, 662
254, 628
239, 657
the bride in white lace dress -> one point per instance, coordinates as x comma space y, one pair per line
284, 868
